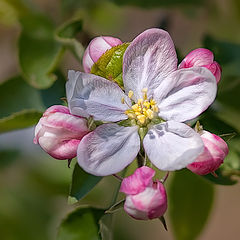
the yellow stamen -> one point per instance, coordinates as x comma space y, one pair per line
140, 101
155, 108
146, 104
122, 100
130, 94
152, 102
141, 118
150, 114
144, 91
142, 111
136, 108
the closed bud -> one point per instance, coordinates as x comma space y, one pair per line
96, 48
146, 199
202, 57
215, 150
59, 133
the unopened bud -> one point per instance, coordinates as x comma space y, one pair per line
96, 48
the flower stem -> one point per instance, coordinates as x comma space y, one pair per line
163, 180
118, 177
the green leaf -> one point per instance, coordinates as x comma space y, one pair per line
16, 95
212, 123
82, 223
221, 179
39, 53
190, 202
82, 182
158, 3
109, 65
19, 120
54, 94
66, 34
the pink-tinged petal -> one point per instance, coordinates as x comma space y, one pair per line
57, 108
149, 204
61, 150
138, 181
91, 95
216, 140
132, 210
171, 145
216, 70
198, 57
68, 123
185, 94
210, 160
108, 149
37, 131
87, 61
148, 60
59, 133
112, 41
96, 48
202, 57
159, 202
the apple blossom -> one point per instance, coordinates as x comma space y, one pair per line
145, 199
59, 133
215, 150
158, 99
202, 57
96, 48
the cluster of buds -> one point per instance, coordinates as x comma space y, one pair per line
59, 133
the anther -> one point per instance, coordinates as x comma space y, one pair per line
144, 91
141, 118
140, 101
122, 100
130, 94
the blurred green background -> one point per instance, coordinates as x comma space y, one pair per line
35, 54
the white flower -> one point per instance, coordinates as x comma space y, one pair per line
159, 98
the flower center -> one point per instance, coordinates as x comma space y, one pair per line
144, 110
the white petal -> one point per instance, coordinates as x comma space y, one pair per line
92, 95
171, 145
185, 94
148, 60
108, 149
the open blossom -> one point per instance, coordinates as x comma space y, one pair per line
59, 133
96, 48
202, 57
215, 150
145, 199
158, 99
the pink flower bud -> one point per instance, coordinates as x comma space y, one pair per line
96, 48
59, 133
202, 57
215, 150
145, 199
